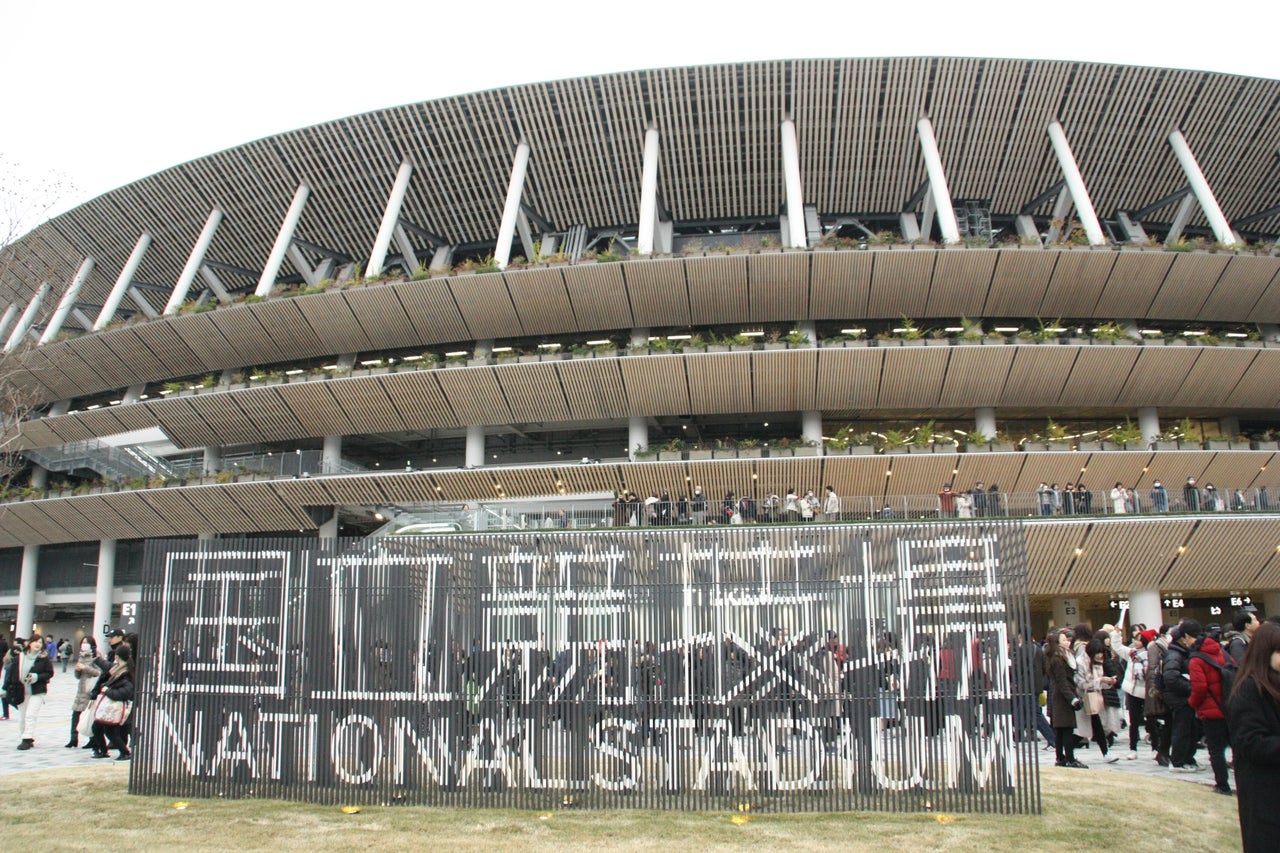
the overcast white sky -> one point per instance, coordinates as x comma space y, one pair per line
107, 93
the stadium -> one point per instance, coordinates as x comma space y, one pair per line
498, 310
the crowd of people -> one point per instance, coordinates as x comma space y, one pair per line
104, 689
698, 508
1187, 686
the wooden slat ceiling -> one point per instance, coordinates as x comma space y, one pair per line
603, 299
720, 156
862, 379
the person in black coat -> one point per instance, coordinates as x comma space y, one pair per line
1253, 717
1063, 701
25, 683
119, 687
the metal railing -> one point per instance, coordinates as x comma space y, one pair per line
297, 463
597, 514
113, 463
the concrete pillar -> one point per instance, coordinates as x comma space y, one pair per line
132, 394
937, 184
791, 182
1144, 607
1200, 187
194, 260
1149, 423
331, 455
475, 447
103, 590
28, 317
68, 301
811, 426
122, 282
639, 338
648, 193
484, 348
10, 314
985, 421
1075, 183
637, 436
206, 536
212, 460
329, 530
39, 477
1270, 604
1066, 612
1229, 425
390, 218
267, 280
27, 590
507, 228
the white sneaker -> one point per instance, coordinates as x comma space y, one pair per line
1132, 756
1111, 758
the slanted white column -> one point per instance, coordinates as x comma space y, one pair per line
27, 590
331, 455
637, 436
791, 179
1075, 183
268, 278
648, 193
130, 269
103, 590
390, 218
6, 321
1149, 423
937, 184
68, 301
1200, 187
985, 421
1144, 607
507, 229
28, 317
194, 260
475, 447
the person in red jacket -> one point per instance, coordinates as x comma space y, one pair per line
1205, 667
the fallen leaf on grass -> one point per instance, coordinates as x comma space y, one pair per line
350, 809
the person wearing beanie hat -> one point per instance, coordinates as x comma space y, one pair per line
1177, 695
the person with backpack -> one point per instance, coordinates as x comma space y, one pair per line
1212, 678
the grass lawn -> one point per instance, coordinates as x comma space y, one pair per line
87, 808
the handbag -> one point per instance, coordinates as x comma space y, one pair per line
1094, 702
111, 712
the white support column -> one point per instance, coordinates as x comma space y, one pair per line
7, 320
133, 394
1066, 612
329, 529
937, 184
809, 329
648, 193
1149, 423
300, 263
212, 460
811, 426
27, 319
985, 421
1061, 208
272, 267
27, 590
791, 179
390, 218
68, 301
637, 436
639, 338
81, 318
331, 455
405, 245
40, 474
475, 447
1144, 607
1075, 183
143, 304
194, 260
507, 229
103, 590
1200, 186
127, 272
211, 280
1270, 604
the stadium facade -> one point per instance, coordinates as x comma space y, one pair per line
467, 307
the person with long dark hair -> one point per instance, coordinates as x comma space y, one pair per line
118, 687
1063, 701
87, 673
1253, 715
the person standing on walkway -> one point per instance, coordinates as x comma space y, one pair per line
26, 683
1206, 668
1176, 677
87, 673
1063, 701
1253, 709
4, 663
119, 688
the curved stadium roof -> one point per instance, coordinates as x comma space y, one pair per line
720, 156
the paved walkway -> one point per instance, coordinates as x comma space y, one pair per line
54, 728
